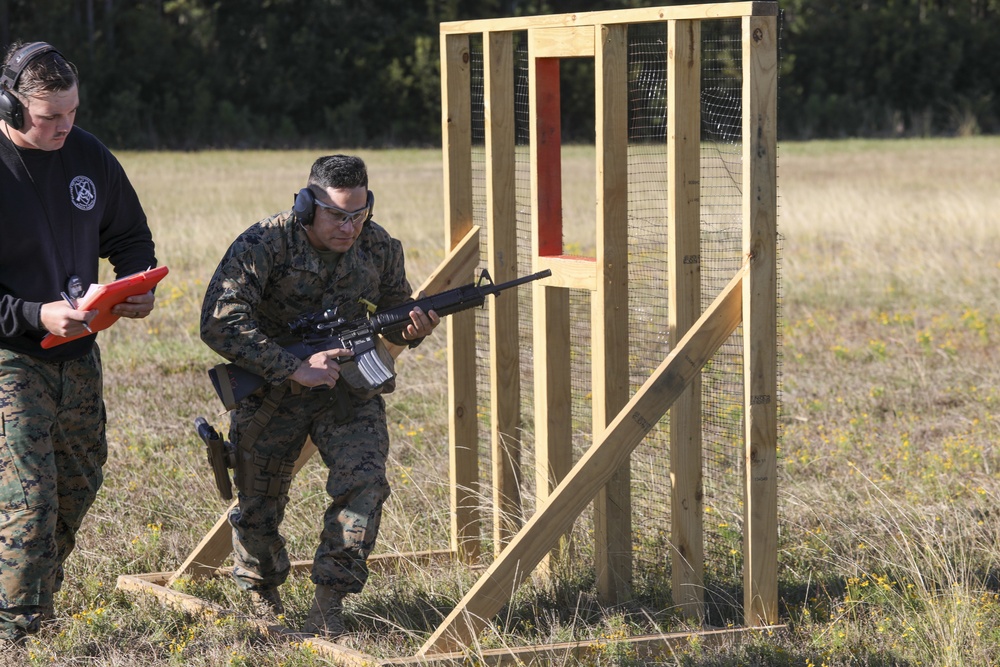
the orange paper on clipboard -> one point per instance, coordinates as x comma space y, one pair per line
103, 297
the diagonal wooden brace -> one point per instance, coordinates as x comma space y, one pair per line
555, 518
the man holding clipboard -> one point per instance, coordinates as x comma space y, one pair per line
66, 202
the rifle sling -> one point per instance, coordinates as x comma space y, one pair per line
257, 475
262, 416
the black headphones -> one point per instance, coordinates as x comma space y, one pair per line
304, 207
11, 110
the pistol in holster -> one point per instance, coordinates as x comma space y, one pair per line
221, 456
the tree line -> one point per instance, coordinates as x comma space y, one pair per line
189, 74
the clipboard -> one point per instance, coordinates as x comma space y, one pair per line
103, 297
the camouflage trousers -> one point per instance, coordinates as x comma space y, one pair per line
52, 451
355, 454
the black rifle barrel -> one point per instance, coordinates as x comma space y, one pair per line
494, 288
455, 300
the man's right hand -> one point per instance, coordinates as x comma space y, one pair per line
321, 369
59, 319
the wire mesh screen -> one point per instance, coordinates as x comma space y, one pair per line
648, 337
721, 256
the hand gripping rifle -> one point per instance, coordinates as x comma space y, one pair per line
325, 330
367, 372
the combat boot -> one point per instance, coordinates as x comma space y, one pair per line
266, 602
327, 614
12, 641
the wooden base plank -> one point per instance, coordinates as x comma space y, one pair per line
644, 647
342, 655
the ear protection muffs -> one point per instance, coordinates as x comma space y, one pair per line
304, 207
11, 110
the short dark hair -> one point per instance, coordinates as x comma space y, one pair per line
339, 171
48, 73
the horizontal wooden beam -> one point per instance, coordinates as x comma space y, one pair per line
718, 10
562, 42
572, 272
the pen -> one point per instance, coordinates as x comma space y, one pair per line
73, 306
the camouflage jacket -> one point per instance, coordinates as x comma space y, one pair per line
271, 275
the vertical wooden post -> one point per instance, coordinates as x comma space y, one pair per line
501, 225
760, 74
609, 309
463, 445
550, 305
684, 249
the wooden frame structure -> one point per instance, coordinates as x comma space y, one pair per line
621, 421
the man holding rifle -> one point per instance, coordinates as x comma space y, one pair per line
326, 254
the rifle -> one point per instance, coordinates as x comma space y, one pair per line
325, 330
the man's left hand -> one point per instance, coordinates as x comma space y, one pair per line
421, 324
135, 307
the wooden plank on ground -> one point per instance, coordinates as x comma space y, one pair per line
644, 647
760, 347
341, 655
462, 626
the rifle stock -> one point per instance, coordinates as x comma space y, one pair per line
233, 384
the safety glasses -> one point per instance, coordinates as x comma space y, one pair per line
342, 218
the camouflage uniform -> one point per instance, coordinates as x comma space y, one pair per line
61, 211
268, 277
49, 476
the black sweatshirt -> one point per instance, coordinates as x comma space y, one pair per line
71, 207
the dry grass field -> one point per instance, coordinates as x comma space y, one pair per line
890, 470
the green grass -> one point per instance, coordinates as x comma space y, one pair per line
890, 474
